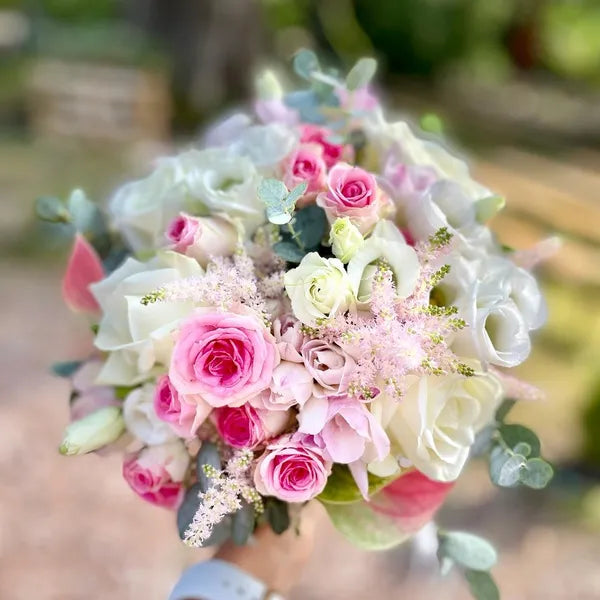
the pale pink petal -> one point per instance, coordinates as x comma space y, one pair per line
313, 415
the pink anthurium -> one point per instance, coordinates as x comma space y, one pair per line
84, 268
411, 500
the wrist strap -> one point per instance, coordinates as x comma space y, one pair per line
218, 580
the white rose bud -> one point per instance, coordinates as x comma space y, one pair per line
345, 239
94, 431
318, 288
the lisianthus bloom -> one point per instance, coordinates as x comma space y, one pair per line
248, 427
332, 152
92, 432
329, 364
353, 193
293, 469
183, 413
156, 473
306, 164
318, 288
224, 357
203, 237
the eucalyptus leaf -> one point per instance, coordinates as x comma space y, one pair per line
310, 223
274, 194
523, 448
242, 524
185, 516
277, 515
289, 251
515, 434
66, 368
364, 527
537, 473
507, 472
51, 209
305, 62
208, 455
483, 441
361, 73
482, 585
467, 550
296, 193
86, 216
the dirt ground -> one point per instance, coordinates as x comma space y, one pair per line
70, 528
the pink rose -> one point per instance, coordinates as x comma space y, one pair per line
329, 364
185, 414
306, 164
156, 473
248, 427
292, 385
288, 333
411, 500
225, 358
203, 237
292, 469
347, 429
332, 153
352, 193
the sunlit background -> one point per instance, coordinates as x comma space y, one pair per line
92, 90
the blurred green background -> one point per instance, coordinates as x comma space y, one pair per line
92, 91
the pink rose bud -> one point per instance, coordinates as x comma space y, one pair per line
288, 333
292, 469
411, 500
352, 193
329, 364
83, 269
332, 153
156, 473
306, 164
225, 358
203, 237
248, 427
185, 414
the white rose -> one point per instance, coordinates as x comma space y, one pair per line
446, 204
318, 288
224, 182
142, 209
500, 302
141, 419
398, 138
345, 239
435, 424
137, 336
387, 243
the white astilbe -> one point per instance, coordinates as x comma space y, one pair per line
228, 489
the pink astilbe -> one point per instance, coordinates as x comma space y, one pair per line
228, 489
517, 389
400, 337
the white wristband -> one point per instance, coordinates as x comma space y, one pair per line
218, 580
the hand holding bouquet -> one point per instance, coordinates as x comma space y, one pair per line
308, 305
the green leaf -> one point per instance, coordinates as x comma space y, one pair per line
208, 455
523, 448
66, 368
185, 516
274, 194
310, 223
296, 193
514, 434
85, 215
51, 209
537, 473
342, 489
361, 73
364, 527
277, 515
482, 585
305, 62
504, 409
432, 123
289, 251
467, 550
242, 524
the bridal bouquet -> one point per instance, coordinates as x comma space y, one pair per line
306, 305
